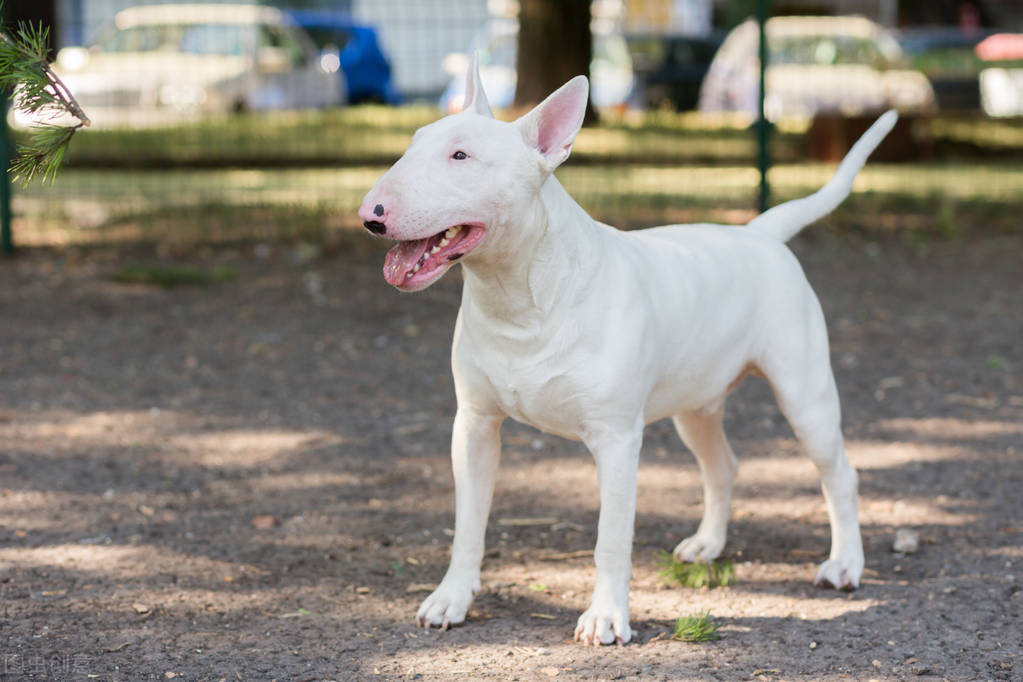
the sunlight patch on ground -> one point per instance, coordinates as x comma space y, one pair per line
306, 480
870, 454
161, 431
746, 602
783, 471
952, 428
1014, 553
939, 510
249, 448
26, 510
130, 561
127, 562
466, 661
62, 429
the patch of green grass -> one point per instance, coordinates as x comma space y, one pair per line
698, 628
720, 573
362, 135
367, 135
169, 276
329, 136
947, 220
314, 204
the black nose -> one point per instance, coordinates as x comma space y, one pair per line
378, 210
375, 226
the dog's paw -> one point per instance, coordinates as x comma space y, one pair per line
699, 548
600, 625
448, 604
839, 574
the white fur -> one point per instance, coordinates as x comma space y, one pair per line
590, 333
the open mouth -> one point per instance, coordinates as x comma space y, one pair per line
417, 263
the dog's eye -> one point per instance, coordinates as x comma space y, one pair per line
459, 156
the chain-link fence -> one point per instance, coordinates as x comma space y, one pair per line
221, 123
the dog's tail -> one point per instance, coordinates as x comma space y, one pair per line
786, 220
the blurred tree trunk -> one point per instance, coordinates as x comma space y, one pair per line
555, 45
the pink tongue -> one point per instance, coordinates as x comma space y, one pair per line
401, 259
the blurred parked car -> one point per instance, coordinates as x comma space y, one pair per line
669, 70
161, 64
497, 46
946, 56
1001, 79
843, 65
355, 49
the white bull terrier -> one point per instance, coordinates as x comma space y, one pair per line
590, 333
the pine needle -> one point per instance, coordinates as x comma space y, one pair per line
26, 76
42, 154
697, 628
720, 573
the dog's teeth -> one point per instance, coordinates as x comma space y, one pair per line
444, 242
415, 268
435, 250
452, 231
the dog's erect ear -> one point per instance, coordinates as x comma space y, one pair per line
551, 127
475, 98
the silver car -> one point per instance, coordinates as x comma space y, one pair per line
162, 64
843, 65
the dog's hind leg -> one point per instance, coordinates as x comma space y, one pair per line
704, 435
805, 388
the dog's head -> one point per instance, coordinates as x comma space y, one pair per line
460, 189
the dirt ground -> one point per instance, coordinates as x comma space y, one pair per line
249, 481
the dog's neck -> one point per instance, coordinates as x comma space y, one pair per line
544, 260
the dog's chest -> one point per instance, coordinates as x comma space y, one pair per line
553, 403
533, 379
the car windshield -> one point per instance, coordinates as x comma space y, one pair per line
220, 39
826, 51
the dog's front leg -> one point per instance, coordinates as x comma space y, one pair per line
617, 457
475, 452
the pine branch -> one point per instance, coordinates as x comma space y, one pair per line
43, 153
26, 75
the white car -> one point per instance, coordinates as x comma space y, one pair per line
844, 65
161, 64
498, 44
1001, 84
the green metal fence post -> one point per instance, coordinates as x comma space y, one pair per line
6, 239
763, 127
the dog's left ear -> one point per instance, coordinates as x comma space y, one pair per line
475, 97
551, 127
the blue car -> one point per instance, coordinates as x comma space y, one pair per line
355, 49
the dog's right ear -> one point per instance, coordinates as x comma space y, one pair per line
551, 127
475, 98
